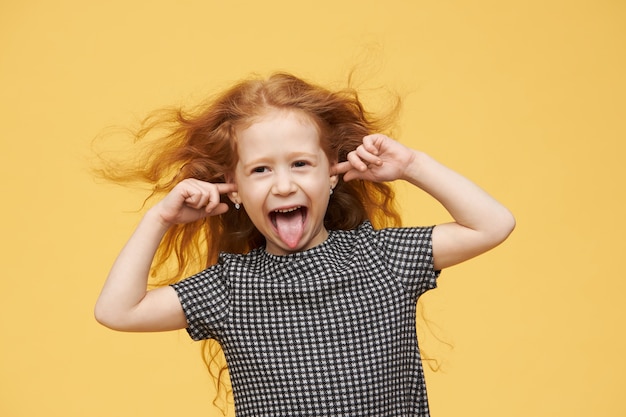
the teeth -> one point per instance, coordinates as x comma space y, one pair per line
288, 210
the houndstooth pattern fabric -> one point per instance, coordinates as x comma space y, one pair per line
325, 332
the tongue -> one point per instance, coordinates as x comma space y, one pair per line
290, 227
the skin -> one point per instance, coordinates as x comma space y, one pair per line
281, 166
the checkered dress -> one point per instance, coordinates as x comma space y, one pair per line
325, 332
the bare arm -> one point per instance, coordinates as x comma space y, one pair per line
480, 222
124, 302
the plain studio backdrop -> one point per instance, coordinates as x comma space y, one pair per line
527, 98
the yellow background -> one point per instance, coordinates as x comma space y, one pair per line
527, 98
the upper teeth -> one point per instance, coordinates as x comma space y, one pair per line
289, 210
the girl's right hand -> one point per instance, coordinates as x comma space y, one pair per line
192, 200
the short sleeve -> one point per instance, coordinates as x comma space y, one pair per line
204, 298
409, 256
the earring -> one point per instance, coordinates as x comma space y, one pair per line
331, 191
237, 206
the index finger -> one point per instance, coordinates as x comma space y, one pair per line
340, 168
225, 187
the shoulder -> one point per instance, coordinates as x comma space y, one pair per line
399, 246
404, 252
387, 243
391, 235
217, 277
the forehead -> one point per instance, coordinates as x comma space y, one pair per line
278, 127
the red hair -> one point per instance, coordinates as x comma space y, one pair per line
202, 144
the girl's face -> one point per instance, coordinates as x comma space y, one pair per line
283, 180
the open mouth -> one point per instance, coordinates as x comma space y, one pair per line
289, 224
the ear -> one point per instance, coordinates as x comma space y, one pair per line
233, 196
334, 180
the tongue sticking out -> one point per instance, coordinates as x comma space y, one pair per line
290, 226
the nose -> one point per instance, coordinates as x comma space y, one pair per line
283, 184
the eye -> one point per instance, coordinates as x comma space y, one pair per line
259, 170
300, 164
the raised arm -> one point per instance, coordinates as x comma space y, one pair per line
480, 222
124, 302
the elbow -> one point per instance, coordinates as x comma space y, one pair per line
505, 224
510, 223
101, 316
108, 318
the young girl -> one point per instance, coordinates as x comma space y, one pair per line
312, 301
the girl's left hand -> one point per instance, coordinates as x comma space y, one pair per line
379, 158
